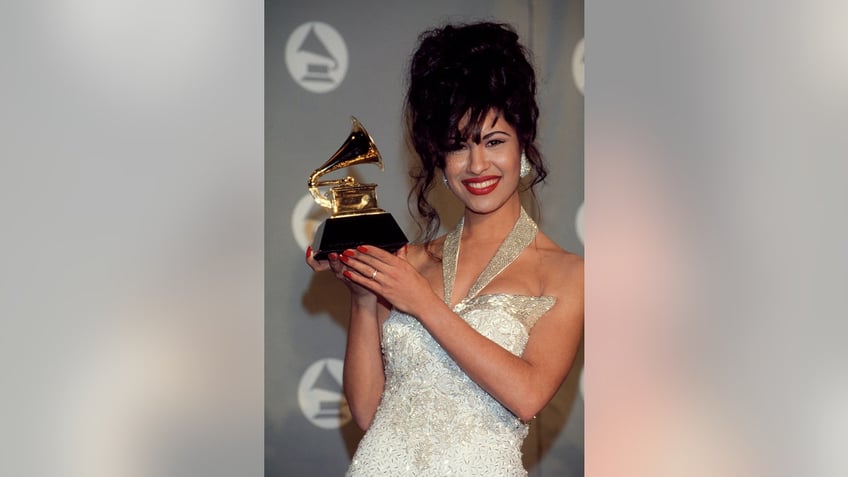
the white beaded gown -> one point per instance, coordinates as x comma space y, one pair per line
433, 420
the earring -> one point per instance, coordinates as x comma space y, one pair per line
445, 180
525, 165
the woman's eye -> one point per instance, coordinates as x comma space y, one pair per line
494, 142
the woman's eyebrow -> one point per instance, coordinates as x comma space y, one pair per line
492, 133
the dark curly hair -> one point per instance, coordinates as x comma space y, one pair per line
463, 71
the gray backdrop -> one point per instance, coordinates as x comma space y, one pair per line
326, 61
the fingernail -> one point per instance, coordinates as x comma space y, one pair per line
346, 273
349, 253
362, 248
308, 251
405, 247
333, 256
344, 259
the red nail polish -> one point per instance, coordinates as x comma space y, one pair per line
333, 256
362, 248
344, 259
308, 251
349, 253
347, 273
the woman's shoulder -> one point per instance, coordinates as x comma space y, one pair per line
422, 254
561, 270
422, 248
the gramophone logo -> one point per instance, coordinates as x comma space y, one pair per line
305, 219
578, 67
320, 394
578, 222
316, 56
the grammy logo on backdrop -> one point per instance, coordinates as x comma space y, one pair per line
355, 218
317, 71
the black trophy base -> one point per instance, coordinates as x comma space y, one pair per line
337, 234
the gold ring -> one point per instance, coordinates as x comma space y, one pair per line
374, 274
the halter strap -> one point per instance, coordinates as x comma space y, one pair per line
521, 235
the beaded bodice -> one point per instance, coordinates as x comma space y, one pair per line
433, 420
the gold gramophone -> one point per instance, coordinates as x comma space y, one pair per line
354, 218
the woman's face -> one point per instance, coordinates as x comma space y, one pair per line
484, 176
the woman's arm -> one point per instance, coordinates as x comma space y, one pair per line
524, 384
364, 378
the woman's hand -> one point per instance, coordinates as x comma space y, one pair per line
388, 275
338, 268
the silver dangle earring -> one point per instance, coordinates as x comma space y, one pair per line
525, 165
445, 180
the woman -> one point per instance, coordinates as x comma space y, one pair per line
456, 343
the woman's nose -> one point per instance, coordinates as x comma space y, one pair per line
477, 161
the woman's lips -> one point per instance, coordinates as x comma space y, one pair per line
481, 185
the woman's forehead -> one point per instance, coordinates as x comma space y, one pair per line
482, 125
484, 122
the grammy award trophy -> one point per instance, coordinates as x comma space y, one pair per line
354, 218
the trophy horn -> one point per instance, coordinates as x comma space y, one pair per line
358, 148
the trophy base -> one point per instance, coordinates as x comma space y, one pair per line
337, 234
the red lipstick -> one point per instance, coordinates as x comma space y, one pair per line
481, 185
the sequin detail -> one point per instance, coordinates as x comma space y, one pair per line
433, 420
522, 233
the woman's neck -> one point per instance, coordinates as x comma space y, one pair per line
493, 226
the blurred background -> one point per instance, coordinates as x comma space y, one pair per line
136, 215
131, 168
